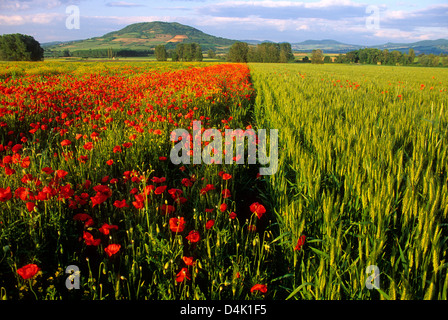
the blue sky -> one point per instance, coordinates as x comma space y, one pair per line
291, 21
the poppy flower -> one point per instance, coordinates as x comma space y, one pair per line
61, 173
188, 260
160, 190
47, 170
258, 209
105, 228
110, 162
259, 287
209, 224
5, 194
28, 271
117, 149
16, 148
66, 143
300, 243
226, 193
84, 217
25, 162
120, 204
183, 273
193, 236
112, 249
89, 240
223, 207
232, 215
177, 225
30, 206
167, 209
226, 176
88, 146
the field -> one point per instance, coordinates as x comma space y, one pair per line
86, 181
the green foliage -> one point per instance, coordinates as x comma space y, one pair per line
239, 52
19, 47
187, 52
317, 57
161, 53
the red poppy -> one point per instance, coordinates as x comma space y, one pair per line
89, 240
209, 224
112, 249
193, 236
116, 149
105, 228
259, 287
25, 162
30, 206
188, 260
160, 190
187, 182
258, 209
226, 176
177, 225
300, 243
121, 204
28, 271
232, 215
184, 273
167, 209
88, 221
61, 173
9, 171
223, 207
5, 194
226, 193
110, 162
88, 145
47, 170
66, 143
16, 148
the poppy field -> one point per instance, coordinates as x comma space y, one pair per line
92, 208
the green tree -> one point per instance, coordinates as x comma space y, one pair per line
317, 57
211, 54
327, 59
305, 59
238, 52
411, 56
20, 47
160, 53
286, 54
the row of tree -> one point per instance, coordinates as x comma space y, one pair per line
183, 52
263, 52
392, 58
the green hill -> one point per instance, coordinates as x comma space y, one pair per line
146, 36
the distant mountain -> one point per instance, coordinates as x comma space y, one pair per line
147, 35
426, 46
326, 45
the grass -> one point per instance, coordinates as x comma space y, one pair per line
362, 181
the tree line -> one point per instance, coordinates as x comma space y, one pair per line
182, 52
20, 47
392, 58
264, 52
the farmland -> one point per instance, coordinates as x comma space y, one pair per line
86, 180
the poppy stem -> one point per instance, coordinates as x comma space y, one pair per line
31, 288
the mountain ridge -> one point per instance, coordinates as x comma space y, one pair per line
147, 35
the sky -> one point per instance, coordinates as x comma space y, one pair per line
363, 22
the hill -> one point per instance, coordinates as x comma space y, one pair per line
426, 46
146, 36
326, 45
